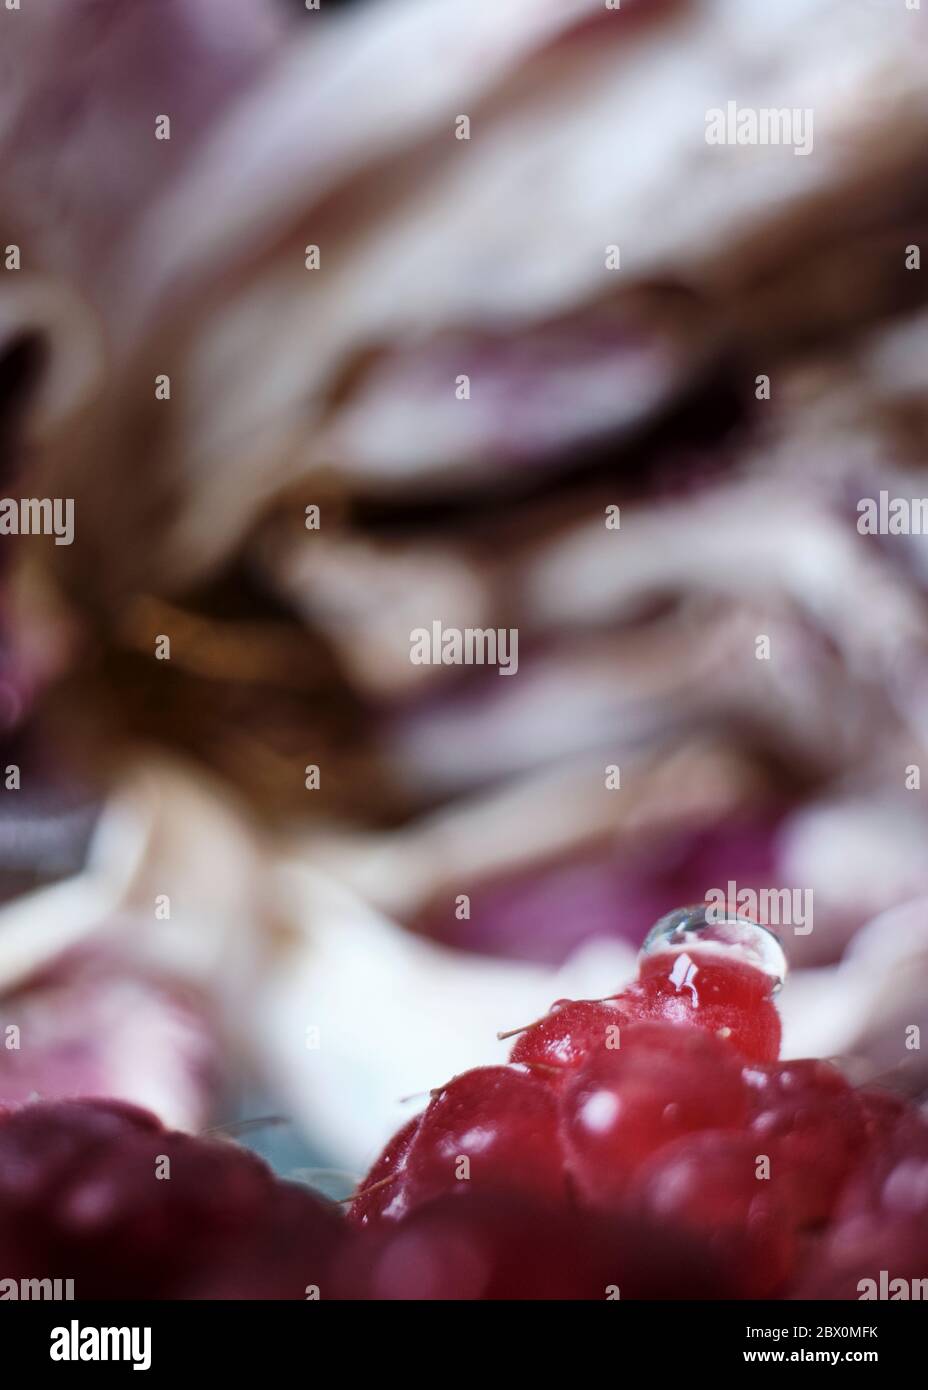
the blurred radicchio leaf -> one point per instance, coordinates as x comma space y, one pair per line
81, 86
442, 258
488, 260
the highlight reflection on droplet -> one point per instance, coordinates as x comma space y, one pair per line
727, 933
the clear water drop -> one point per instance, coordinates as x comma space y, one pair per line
722, 932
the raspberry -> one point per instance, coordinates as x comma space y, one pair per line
619, 1108
708, 1184
81, 1197
892, 1179
479, 1245
288, 1253
810, 1114
495, 1128
881, 1110
570, 1031
649, 1142
880, 1226
40, 1145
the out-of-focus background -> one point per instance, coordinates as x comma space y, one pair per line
600, 325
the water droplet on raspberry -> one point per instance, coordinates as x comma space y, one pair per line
729, 935
717, 975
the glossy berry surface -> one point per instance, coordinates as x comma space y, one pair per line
622, 1107
494, 1129
383, 1193
730, 1000
572, 1031
811, 1117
